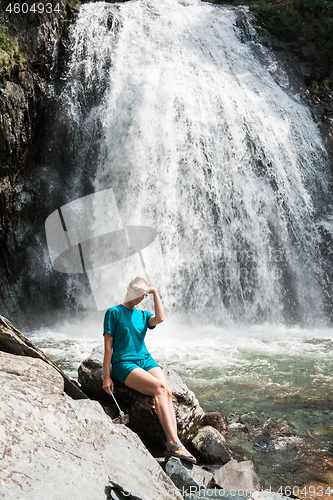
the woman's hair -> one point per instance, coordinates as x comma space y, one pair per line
137, 280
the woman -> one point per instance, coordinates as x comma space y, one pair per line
125, 328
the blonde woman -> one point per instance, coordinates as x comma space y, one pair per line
125, 328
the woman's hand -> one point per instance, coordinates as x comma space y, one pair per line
108, 385
144, 288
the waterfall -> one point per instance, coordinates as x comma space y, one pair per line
201, 137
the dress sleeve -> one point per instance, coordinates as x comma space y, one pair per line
148, 315
110, 322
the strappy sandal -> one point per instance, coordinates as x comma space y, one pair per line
171, 452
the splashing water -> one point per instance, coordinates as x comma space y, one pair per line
204, 141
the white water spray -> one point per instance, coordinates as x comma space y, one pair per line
204, 141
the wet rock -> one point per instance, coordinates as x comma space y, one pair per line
90, 374
237, 476
14, 342
55, 447
211, 446
272, 435
218, 421
141, 409
25, 93
24, 96
187, 477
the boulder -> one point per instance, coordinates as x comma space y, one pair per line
13, 341
218, 421
90, 374
210, 446
141, 408
32, 368
237, 476
187, 477
54, 447
179, 475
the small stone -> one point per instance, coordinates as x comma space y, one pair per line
211, 446
218, 421
237, 476
186, 476
267, 495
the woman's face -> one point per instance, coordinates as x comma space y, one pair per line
137, 300
134, 294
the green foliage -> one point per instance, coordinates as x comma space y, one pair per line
8, 47
313, 87
8, 51
304, 20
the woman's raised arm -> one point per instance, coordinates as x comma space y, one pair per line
159, 311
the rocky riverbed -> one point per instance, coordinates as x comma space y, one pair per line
27, 115
66, 445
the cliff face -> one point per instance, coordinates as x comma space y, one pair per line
24, 80
32, 38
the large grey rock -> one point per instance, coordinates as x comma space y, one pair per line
14, 342
33, 368
210, 446
58, 448
141, 409
187, 477
237, 476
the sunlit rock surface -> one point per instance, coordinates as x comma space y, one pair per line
14, 342
237, 475
31, 368
55, 447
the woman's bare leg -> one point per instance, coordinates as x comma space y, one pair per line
158, 373
153, 383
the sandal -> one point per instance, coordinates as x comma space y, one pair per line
171, 452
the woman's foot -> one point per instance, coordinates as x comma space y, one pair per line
179, 451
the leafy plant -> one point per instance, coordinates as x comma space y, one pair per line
8, 51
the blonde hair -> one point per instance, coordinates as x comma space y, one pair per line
137, 280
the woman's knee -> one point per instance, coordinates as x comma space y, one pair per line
162, 389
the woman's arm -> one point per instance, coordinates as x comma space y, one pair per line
159, 311
107, 381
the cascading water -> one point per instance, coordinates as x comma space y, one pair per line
195, 127
205, 142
